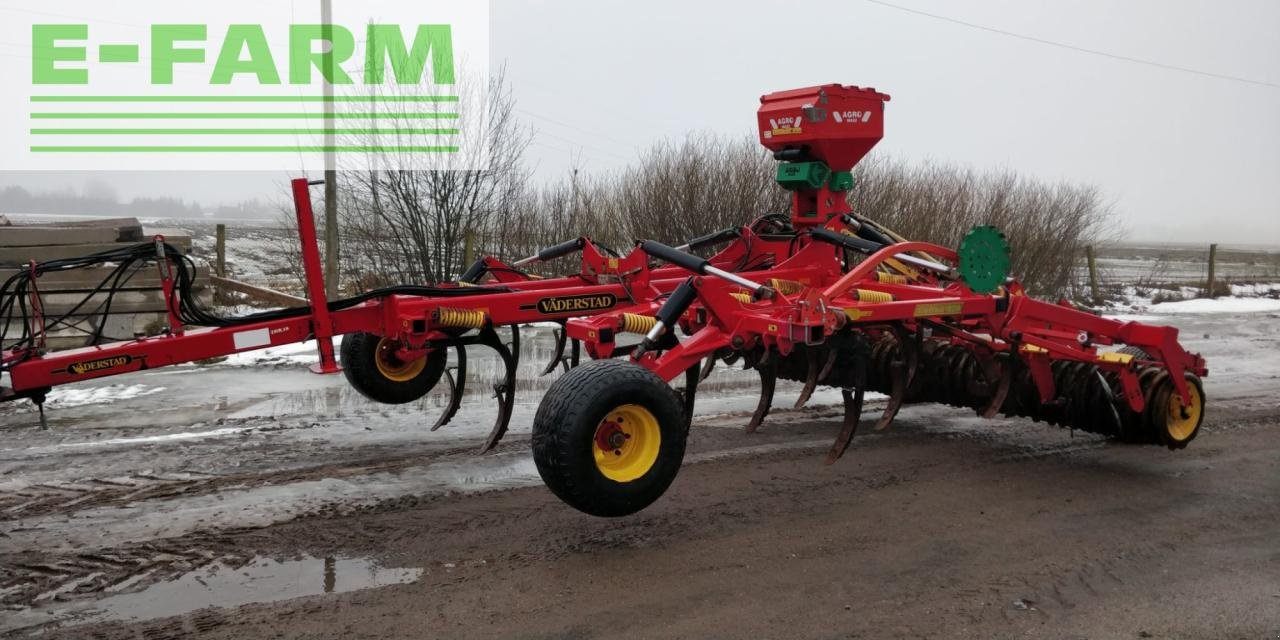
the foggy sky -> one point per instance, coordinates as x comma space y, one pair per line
1184, 157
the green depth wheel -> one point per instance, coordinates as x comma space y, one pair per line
984, 259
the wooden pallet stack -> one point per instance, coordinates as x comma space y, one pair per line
137, 307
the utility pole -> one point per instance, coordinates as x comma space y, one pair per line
330, 159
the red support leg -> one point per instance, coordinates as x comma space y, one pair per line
322, 326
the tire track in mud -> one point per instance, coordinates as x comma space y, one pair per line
50, 499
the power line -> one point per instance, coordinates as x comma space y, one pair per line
1063, 45
566, 125
574, 143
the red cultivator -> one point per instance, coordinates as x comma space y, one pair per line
822, 296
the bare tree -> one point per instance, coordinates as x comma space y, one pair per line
702, 184
412, 224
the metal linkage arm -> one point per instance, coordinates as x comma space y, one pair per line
669, 314
868, 247
554, 251
702, 266
715, 237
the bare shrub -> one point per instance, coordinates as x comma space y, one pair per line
702, 184
1047, 225
412, 226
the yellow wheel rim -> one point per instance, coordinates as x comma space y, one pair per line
1179, 427
626, 443
393, 368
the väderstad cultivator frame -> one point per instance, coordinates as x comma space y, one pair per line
821, 296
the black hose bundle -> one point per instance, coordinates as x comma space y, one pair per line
16, 311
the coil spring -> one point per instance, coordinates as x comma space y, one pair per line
866, 295
459, 318
744, 298
786, 287
636, 323
891, 278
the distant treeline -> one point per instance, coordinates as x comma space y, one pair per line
98, 200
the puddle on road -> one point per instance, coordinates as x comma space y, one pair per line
262, 580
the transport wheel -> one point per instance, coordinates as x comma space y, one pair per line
1175, 424
371, 366
609, 437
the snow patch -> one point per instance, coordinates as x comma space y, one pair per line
298, 353
1218, 305
78, 397
1132, 317
168, 437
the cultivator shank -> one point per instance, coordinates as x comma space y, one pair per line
819, 295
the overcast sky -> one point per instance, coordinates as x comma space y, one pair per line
1184, 156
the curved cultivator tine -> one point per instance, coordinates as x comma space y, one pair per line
1002, 390
828, 365
707, 367
504, 391
901, 379
457, 387
690, 391
852, 414
810, 378
768, 368
852, 405
557, 358
903, 371
1108, 400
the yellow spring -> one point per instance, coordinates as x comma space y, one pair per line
891, 278
460, 318
786, 287
636, 323
866, 295
744, 298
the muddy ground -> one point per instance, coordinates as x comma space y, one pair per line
251, 499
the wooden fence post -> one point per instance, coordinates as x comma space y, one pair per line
468, 249
1093, 275
1213, 258
220, 264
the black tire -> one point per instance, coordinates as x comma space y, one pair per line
360, 353
1177, 431
565, 431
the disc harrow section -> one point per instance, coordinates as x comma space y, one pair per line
1088, 398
